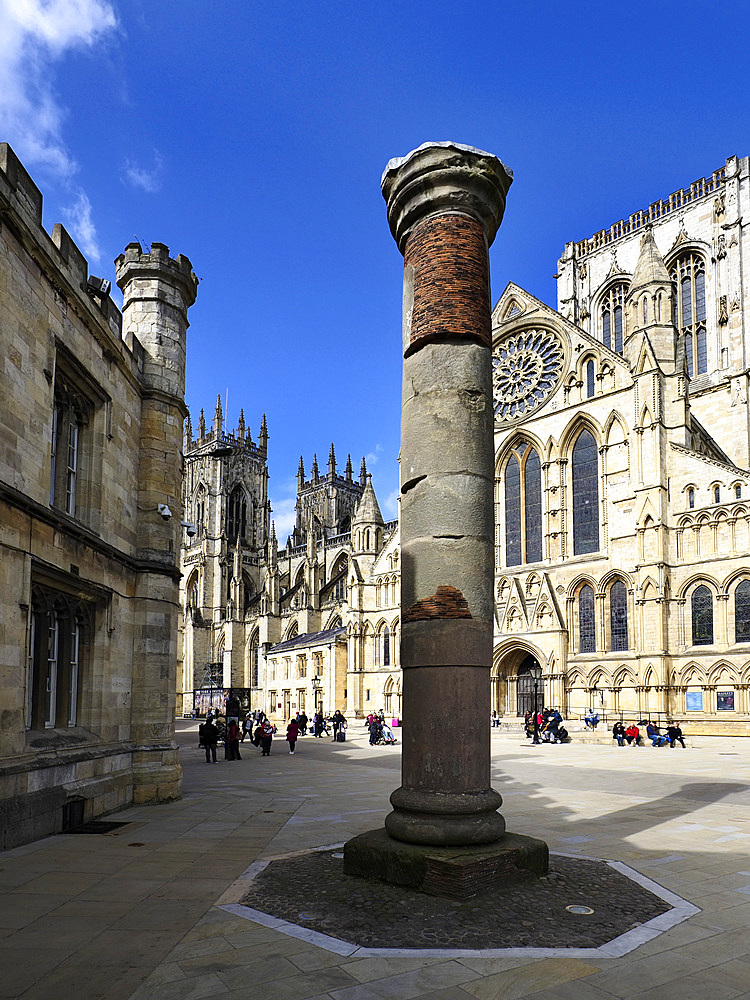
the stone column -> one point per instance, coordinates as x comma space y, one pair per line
445, 835
445, 204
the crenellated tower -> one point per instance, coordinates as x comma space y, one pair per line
157, 292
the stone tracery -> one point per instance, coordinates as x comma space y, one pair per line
526, 369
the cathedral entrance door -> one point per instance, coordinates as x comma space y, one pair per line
529, 687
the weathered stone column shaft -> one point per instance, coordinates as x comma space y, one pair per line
445, 203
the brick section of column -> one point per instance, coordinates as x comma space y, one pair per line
446, 602
448, 254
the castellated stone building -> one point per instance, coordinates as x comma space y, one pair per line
91, 414
622, 438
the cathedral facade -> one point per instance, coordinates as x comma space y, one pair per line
622, 470
622, 439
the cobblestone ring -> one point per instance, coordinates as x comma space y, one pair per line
526, 368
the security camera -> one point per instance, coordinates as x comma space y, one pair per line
164, 511
190, 529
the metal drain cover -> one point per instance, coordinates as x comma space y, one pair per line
584, 910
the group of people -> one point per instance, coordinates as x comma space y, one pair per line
545, 727
631, 736
379, 731
260, 731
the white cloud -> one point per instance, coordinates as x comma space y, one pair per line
284, 516
148, 179
33, 33
373, 457
390, 505
79, 221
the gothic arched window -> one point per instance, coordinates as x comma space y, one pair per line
236, 514
742, 612
523, 506
590, 380
689, 274
585, 495
618, 616
701, 605
691, 498
611, 317
586, 620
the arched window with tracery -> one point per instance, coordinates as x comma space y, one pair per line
618, 616
590, 379
523, 506
585, 494
610, 313
200, 511
236, 513
742, 612
702, 608
689, 274
586, 620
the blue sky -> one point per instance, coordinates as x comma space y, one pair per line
251, 136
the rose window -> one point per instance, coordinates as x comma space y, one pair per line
526, 368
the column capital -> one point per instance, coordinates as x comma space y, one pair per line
441, 178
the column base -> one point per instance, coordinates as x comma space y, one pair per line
454, 872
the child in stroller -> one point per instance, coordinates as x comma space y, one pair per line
386, 736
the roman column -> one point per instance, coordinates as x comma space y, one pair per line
445, 204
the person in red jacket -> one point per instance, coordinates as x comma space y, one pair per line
292, 732
633, 735
233, 741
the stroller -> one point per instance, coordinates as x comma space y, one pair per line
385, 737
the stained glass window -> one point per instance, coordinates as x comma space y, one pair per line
586, 620
703, 616
523, 506
590, 380
689, 272
585, 495
618, 616
691, 498
236, 514
611, 317
742, 612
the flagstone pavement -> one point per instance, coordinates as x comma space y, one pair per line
141, 912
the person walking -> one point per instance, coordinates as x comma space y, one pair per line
208, 736
266, 738
233, 741
303, 720
292, 732
339, 725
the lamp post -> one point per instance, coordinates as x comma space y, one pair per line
536, 710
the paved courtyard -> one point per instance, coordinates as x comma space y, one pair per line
150, 910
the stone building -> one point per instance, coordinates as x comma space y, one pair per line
622, 437
91, 413
293, 628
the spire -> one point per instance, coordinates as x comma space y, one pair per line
367, 523
218, 416
237, 562
241, 426
188, 432
650, 269
264, 435
272, 546
300, 475
349, 467
201, 425
314, 474
363, 472
332, 462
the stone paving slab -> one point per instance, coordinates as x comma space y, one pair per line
681, 817
527, 913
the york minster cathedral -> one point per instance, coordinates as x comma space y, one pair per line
622, 439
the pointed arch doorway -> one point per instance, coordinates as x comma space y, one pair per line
517, 681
